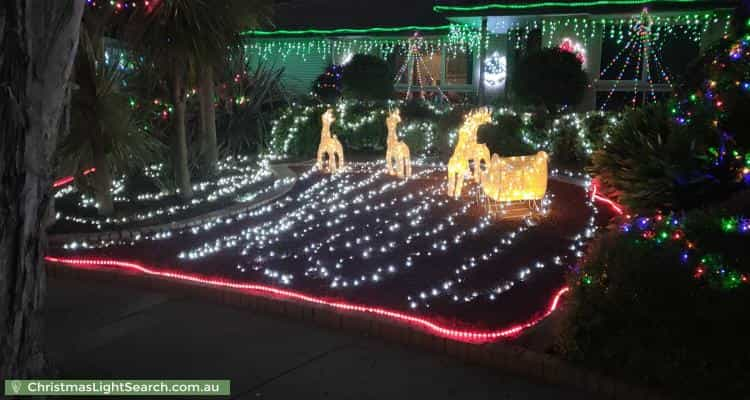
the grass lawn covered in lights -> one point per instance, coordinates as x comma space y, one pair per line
370, 238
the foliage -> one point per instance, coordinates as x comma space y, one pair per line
360, 125
327, 87
129, 145
652, 163
503, 136
242, 106
367, 77
416, 109
718, 90
635, 311
551, 77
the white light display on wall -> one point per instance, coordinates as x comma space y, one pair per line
495, 70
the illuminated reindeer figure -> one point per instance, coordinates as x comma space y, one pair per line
467, 149
397, 156
329, 145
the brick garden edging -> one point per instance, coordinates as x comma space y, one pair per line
281, 171
499, 355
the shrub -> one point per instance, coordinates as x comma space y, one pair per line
635, 311
304, 136
652, 162
416, 109
567, 143
327, 87
367, 77
551, 77
504, 137
597, 128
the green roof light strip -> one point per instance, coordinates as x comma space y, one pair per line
547, 4
346, 31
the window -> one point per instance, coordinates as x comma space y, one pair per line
426, 68
459, 68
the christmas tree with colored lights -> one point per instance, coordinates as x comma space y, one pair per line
717, 91
328, 85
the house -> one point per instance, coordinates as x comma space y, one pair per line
631, 49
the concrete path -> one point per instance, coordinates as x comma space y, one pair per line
101, 330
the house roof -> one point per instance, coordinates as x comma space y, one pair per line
353, 17
299, 18
516, 7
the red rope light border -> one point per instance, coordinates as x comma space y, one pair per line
432, 327
68, 179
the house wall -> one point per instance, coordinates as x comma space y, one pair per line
299, 72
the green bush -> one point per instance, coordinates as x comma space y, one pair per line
503, 137
552, 77
304, 136
652, 163
367, 77
636, 312
567, 143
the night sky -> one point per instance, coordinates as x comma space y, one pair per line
331, 14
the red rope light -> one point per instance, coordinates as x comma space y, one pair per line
615, 207
463, 335
68, 179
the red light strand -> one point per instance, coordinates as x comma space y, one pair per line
463, 335
68, 179
596, 196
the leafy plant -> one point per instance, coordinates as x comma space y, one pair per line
243, 106
104, 121
552, 77
652, 163
503, 136
327, 87
367, 77
636, 312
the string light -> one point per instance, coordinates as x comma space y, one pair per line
464, 335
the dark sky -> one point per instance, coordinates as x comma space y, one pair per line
329, 14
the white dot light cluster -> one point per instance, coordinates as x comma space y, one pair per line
239, 174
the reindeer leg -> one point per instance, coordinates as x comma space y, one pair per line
407, 162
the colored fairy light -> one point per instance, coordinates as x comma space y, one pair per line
710, 267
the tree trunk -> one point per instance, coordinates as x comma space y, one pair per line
85, 74
102, 176
179, 138
38, 43
209, 150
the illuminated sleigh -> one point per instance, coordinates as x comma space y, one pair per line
516, 178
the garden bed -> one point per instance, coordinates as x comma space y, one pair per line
142, 201
368, 238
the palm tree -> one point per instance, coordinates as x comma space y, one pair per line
233, 17
88, 97
38, 43
172, 35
